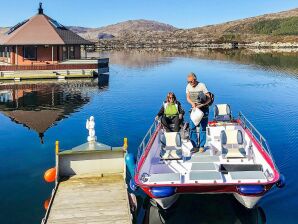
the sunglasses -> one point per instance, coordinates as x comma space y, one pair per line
192, 81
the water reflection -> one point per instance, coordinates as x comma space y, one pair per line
38, 106
272, 60
281, 61
140, 59
205, 209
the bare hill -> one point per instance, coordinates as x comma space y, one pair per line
269, 30
116, 30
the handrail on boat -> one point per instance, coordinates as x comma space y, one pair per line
246, 124
146, 139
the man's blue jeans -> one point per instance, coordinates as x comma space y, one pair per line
193, 130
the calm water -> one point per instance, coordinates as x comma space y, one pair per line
33, 115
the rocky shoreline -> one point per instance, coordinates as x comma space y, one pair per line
120, 44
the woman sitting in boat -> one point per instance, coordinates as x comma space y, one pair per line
171, 112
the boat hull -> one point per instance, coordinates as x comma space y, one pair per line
247, 201
167, 202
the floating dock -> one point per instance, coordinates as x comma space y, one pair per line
90, 186
82, 68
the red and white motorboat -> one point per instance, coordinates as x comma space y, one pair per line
237, 161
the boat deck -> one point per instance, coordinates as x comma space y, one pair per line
96, 199
169, 166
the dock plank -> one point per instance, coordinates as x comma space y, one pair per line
90, 200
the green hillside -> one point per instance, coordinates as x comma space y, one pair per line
285, 26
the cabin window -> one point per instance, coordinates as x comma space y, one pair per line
68, 52
71, 52
30, 52
8, 52
64, 53
5, 52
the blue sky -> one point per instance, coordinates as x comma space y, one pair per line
179, 13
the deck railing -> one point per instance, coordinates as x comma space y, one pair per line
47, 67
246, 124
146, 139
69, 64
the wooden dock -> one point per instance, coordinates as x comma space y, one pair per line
90, 188
83, 68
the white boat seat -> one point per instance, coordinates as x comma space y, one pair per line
222, 112
232, 144
205, 176
170, 139
165, 177
170, 145
202, 166
247, 175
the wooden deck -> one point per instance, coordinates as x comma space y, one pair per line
90, 200
83, 68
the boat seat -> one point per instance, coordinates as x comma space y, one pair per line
165, 177
232, 144
170, 145
222, 112
205, 176
247, 175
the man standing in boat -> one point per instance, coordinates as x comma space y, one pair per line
198, 96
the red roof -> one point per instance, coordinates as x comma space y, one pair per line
41, 30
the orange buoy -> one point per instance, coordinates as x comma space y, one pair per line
46, 204
50, 175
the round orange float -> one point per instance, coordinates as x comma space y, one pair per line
50, 175
46, 204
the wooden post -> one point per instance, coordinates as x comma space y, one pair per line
5, 53
52, 54
17, 55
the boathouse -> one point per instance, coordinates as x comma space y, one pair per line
42, 43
